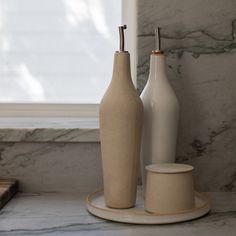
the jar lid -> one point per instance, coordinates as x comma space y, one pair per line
169, 168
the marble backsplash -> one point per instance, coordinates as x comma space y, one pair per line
199, 40
51, 166
51, 154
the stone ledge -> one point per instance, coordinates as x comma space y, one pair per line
49, 130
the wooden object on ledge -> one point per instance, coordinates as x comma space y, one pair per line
8, 188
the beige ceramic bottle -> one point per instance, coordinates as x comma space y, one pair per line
121, 117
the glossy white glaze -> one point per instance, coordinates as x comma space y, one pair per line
161, 116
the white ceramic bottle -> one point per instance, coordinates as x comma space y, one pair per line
161, 114
121, 119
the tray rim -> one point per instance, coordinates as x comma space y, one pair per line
201, 195
143, 217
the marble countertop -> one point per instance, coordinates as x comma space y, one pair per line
49, 130
63, 214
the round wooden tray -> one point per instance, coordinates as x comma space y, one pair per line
137, 215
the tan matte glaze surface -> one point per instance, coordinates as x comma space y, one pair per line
169, 192
161, 117
169, 168
121, 113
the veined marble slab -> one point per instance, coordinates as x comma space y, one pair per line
52, 167
63, 214
51, 154
49, 130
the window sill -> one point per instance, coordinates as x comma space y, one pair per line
49, 130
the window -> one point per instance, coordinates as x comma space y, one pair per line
56, 52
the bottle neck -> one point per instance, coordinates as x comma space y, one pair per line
157, 67
121, 67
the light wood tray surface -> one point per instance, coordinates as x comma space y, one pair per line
137, 215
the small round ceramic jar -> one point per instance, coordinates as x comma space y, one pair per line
169, 188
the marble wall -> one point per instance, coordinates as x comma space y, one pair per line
199, 39
52, 166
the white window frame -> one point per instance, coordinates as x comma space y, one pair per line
129, 17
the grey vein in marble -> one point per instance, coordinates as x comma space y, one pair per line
197, 42
186, 27
208, 25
